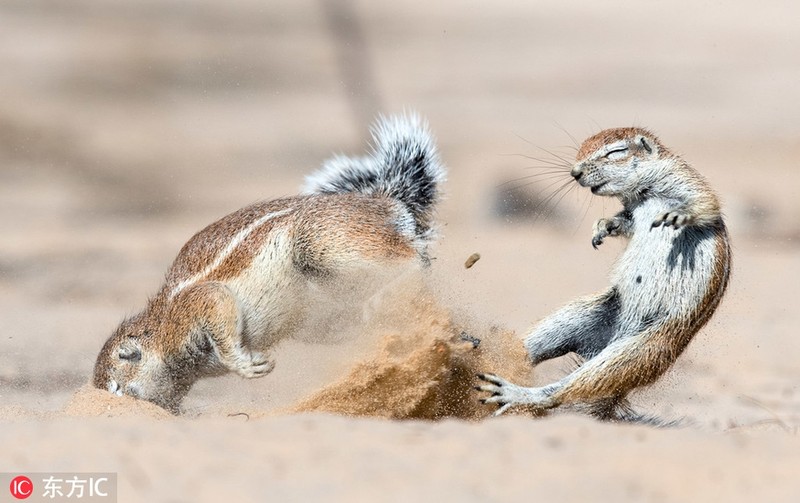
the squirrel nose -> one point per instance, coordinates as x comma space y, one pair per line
576, 172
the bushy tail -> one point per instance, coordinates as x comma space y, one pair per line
404, 164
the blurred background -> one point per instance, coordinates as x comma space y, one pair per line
126, 126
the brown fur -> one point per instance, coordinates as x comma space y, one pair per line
193, 328
608, 136
363, 229
285, 268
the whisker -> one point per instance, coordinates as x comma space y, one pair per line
549, 185
588, 202
543, 149
525, 140
552, 177
536, 176
549, 198
567, 182
553, 169
548, 174
549, 162
551, 172
566, 162
564, 194
564, 130
558, 162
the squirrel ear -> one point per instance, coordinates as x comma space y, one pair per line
645, 144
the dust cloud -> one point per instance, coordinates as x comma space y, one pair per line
399, 354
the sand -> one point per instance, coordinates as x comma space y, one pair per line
410, 360
124, 129
425, 369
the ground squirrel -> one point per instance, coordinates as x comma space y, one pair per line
664, 288
247, 281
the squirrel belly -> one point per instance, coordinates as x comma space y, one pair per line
665, 272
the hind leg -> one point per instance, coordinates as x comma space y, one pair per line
584, 327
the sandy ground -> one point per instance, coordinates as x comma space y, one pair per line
125, 128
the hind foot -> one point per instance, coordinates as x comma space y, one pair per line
506, 394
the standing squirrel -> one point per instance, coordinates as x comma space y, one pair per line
664, 288
245, 282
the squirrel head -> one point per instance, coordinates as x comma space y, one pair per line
620, 162
133, 362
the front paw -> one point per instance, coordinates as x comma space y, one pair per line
675, 218
603, 228
254, 364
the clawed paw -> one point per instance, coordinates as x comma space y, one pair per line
603, 228
114, 388
674, 219
597, 240
498, 387
506, 394
257, 364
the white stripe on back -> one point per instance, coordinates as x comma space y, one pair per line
236, 241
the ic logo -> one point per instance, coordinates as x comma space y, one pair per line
21, 487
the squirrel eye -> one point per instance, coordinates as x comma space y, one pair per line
617, 153
129, 354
